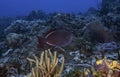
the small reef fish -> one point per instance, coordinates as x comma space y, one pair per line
58, 38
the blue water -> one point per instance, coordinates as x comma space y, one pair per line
23, 7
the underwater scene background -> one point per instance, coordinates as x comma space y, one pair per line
60, 38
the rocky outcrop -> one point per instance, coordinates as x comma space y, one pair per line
15, 40
110, 6
25, 27
110, 13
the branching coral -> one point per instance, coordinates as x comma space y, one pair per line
46, 66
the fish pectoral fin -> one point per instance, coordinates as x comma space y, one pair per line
58, 47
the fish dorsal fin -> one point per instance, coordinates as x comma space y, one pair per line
47, 33
55, 29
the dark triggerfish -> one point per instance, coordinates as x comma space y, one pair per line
55, 38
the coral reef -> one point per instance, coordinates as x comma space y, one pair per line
95, 35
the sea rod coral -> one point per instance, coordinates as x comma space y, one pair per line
46, 66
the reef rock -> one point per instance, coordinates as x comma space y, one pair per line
110, 13
25, 27
2, 45
18, 26
111, 46
15, 40
110, 6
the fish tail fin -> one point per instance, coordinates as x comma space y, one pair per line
41, 42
